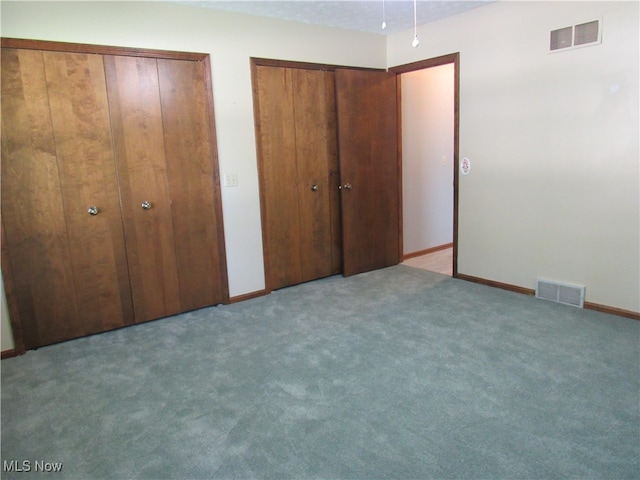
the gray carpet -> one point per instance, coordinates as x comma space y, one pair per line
394, 374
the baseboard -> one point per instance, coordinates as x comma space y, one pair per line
427, 251
493, 283
612, 310
247, 296
531, 292
8, 353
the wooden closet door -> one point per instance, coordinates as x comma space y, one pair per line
279, 175
369, 169
317, 160
138, 136
162, 133
193, 183
80, 118
295, 123
32, 208
67, 267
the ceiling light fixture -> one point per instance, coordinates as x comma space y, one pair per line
415, 42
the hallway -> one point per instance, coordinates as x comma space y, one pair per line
440, 261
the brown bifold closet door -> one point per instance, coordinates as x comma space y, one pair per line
161, 132
60, 207
193, 183
111, 210
369, 169
295, 123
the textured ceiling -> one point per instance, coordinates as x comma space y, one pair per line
359, 15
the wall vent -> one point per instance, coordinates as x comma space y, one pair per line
581, 35
559, 292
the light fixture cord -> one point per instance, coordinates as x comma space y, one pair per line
384, 16
415, 24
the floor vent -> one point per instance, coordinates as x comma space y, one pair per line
558, 292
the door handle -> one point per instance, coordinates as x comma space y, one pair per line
146, 205
314, 188
347, 186
93, 210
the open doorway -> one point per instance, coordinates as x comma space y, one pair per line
429, 100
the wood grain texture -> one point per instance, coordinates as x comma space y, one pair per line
45, 45
190, 170
368, 153
297, 147
32, 207
66, 272
138, 136
279, 173
80, 118
316, 157
331, 127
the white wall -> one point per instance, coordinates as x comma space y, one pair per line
427, 157
553, 139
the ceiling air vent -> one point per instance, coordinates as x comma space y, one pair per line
558, 292
581, 35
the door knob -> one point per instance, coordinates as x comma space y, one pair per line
314, 188
93, 210
146, 205
347, 186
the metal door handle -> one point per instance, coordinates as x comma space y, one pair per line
314, 188
146, 205
93, 210
347, 186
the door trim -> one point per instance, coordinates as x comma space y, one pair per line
47, 45
453, 58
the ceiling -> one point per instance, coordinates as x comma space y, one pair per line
358, 15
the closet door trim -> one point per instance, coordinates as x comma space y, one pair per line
98, 49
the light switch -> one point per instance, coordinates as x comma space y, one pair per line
230, 179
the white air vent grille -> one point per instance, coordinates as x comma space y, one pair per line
586, 33
561, 38
581, 35
559, 292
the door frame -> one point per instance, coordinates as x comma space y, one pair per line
453, 58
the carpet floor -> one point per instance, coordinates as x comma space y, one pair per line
398, 373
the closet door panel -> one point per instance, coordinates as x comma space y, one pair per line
192, 183
368, 146
138, 136
316, 156
334, 173
32, 207
80, 117
279, 175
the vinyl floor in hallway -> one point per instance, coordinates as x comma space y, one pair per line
440, 261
